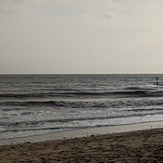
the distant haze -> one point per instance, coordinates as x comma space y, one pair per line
81, 36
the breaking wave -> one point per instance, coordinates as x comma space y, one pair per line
119, 103
116, 94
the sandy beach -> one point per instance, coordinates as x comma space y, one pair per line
135, 146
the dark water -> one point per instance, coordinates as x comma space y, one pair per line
38, 104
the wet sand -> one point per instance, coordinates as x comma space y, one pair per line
83, 133
136, 146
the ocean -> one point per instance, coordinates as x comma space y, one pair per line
40, 104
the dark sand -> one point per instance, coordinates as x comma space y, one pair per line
136, 146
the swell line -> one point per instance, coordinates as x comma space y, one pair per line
83, 104
83, 94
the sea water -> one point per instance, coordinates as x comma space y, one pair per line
39, 104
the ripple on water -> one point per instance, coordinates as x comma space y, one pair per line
27, 113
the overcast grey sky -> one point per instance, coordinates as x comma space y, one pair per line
81, 36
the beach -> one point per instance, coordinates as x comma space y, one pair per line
81, 118
133, 146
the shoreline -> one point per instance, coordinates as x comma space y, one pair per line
134, 146
82, 133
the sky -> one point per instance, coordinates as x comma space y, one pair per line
81, 36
